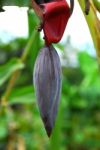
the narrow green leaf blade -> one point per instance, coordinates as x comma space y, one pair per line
22, 95
7, 69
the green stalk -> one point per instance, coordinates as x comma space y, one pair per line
15, 75
94, 26
97, 4
29, 45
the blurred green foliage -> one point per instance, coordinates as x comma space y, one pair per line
78, 122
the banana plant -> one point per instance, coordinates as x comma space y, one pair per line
54, 16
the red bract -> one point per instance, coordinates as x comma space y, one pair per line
55, 18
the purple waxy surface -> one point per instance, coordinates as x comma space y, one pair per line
47, 83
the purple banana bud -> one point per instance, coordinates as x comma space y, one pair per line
47, 82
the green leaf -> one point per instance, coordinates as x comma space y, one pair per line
7, 69
22, 95
3, 126
97, 4
14, 2
3, 131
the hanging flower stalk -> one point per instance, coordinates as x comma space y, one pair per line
54, 16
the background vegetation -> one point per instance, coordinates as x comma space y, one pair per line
78, 122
